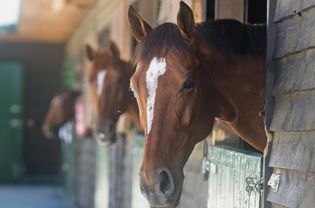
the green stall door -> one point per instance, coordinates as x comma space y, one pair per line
11, 121
234, 178
138, 200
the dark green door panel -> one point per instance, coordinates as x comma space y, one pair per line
11, 121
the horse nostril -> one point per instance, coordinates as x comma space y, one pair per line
165, 183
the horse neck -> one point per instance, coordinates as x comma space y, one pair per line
239, 85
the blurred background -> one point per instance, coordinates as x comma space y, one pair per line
42, 54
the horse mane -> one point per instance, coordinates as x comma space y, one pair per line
159, 41
230, 36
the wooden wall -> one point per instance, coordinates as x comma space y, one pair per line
291, 102
224, 9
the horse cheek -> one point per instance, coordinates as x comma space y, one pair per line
187, 116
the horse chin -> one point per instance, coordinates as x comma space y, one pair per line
165, 203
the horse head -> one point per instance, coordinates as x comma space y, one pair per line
61, 110
109, 75
186, 76
171, 99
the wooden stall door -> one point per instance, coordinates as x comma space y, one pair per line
233, 174
11, 123
138, 200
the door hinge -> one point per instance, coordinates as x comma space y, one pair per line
254, 184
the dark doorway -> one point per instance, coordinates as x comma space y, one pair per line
255, 11
210, 10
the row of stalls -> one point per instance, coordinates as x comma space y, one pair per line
222, 172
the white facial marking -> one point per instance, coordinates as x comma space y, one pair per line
100, 81
157, 68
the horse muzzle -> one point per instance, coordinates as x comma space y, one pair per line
163, 191
105, 134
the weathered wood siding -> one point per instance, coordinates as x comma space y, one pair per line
291, 64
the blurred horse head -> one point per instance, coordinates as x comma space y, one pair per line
109, 78
61, 110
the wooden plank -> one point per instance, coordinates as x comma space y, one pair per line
286, 8
293, 112
296, 189
227, 179
102, 181
40, 22
295, 34
138, 200
229, 9
293, 150
95, 21
274, 205
295, 73
269, 99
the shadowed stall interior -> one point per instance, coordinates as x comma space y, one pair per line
42, 66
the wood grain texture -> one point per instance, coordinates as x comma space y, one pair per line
40, 22
274, 205
296, 189
96, 20
295, 34
294, 150
287, 8
295, 73
227, 178
294, 112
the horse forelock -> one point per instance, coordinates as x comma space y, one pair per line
159, 42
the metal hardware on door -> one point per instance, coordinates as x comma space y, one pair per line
15, 109
205, 168
16, 123
254, 184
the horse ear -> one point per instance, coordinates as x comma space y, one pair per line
139, 27
185, 19
90, 52
114, 49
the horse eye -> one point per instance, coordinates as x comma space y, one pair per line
188, 85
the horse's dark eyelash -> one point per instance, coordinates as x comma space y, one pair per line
184, 88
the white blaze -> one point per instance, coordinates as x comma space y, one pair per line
157, 68
100, 81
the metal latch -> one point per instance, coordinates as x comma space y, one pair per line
274, 181
205, 168
254, 184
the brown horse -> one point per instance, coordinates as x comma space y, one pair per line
61, 110
110, 76
186, 76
